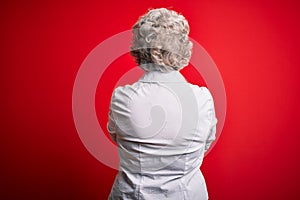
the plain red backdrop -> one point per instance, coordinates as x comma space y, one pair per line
255, 45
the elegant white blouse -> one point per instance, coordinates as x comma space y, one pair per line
162, 125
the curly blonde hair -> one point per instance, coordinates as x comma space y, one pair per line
160, 41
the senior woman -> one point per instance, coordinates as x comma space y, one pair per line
162, 124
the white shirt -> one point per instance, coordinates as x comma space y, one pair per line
162, 125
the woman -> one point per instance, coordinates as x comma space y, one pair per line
162, 124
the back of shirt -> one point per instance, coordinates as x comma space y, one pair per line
162, 126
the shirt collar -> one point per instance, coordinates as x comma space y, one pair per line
158, 76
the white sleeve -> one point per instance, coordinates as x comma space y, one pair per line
211, 119
111, 123
111, 126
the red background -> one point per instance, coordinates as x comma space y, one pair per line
255, 45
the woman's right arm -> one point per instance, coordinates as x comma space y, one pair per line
212, 121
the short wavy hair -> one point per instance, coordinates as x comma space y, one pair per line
160, 41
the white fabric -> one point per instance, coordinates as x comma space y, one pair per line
162, 125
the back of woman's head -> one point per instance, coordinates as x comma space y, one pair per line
160, 41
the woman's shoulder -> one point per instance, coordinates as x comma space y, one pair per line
200, 89
126, 91
127, 87
202, 93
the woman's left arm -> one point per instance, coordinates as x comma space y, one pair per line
111, 126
